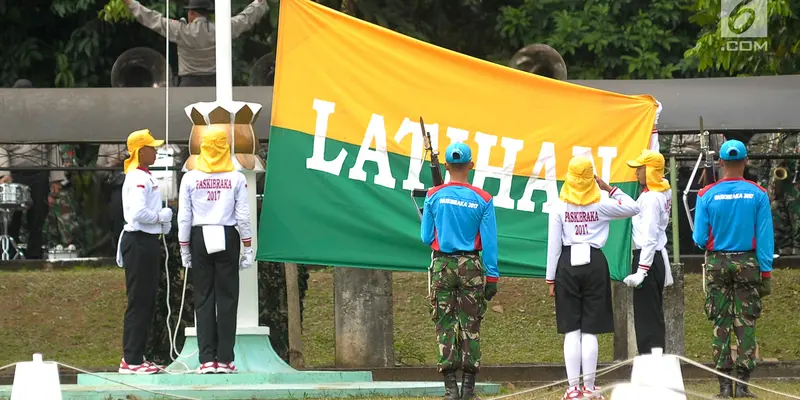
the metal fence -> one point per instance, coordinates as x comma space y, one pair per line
81, 212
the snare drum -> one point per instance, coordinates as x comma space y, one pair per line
14, 196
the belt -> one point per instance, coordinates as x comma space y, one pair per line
437, 253
733, 252
639, 250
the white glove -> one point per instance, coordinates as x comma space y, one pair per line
166, 227
635, 279
658, 111
186, 256
165, 215
246, 260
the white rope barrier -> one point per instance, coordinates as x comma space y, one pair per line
110, 380
603, 390
599, 372
609, 388
714, 371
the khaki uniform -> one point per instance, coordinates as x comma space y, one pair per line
196, 40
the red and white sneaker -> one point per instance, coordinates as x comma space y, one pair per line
593, 393
573, 393
145, 368
226, 368
152, 364
208, 368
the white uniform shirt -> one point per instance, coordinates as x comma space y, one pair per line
650, 225
573, 224
141, 202
213, 199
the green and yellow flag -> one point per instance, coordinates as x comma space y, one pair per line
346, 147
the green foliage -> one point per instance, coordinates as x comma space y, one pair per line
115, 11
719, 55
74, 43
604, 39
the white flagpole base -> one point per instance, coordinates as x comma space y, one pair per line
36, 380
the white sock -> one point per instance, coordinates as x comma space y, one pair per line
572, 357
589, 358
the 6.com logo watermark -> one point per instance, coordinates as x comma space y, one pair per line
743, 23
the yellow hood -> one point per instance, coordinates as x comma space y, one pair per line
580, 188
137, 140
653, 163
215, 153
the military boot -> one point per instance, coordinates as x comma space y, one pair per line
742, 391
468, 386
725, 386
450, 385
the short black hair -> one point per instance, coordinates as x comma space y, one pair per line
459, 166
734, 163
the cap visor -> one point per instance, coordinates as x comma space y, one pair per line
156, 143
634, 164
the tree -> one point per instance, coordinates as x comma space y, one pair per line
604, 39
718, 56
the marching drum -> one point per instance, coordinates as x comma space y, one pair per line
14, 196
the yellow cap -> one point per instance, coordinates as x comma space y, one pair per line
653, 162
137, 140
580, 188
215, 152
648, 158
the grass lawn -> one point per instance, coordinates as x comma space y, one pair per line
76, 317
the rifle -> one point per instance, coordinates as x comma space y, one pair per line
706, 147
436, 172
709, 170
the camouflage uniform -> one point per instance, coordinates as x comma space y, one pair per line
786, 205
733, 303
62, 226
457, 307
786, 208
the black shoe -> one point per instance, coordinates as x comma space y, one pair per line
725, 386
742, 390
468, 386
450, 385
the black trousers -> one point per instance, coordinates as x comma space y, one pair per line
216, 295
648, 305
36, 215
141, 258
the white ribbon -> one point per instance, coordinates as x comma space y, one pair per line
214, 238
580, 254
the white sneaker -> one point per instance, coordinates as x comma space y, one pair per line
226, 368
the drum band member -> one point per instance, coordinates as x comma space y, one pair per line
43, 185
